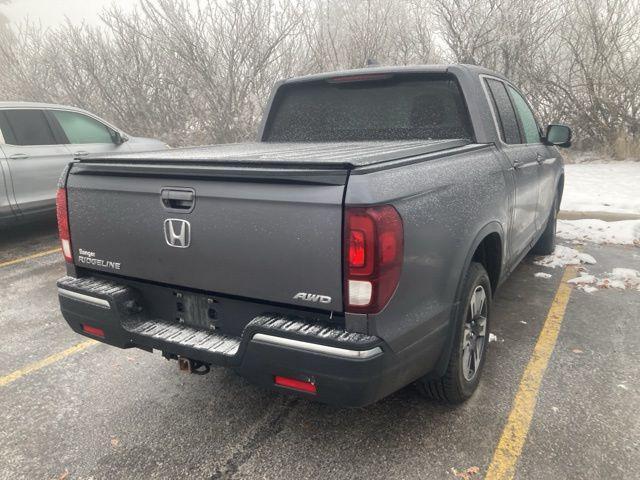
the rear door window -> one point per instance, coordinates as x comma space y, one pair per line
507, 120
80, 128
527, 120
27, 127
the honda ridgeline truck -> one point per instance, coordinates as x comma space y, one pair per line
353, 250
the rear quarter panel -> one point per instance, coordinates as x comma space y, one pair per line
445, 204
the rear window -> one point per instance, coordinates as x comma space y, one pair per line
398, 107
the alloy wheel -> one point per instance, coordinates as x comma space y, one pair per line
475, 330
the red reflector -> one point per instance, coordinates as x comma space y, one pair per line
95, 331
295, 384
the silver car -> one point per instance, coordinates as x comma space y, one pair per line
38, 140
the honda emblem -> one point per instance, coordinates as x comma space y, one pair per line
177, 233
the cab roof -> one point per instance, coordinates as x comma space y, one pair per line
453, 68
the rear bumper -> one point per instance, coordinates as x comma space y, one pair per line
347, 369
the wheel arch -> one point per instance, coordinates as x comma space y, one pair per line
488, 236
488, 241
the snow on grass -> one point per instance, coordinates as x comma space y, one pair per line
626, 232
563, 256
602, 187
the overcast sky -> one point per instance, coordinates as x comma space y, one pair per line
53, 12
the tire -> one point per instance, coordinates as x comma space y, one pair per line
459, 383
546, 244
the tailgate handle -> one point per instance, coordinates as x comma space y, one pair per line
178, 199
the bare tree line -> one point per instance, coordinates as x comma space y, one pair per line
200, 71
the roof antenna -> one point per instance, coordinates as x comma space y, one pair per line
371, 62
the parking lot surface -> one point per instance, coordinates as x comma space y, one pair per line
77, 409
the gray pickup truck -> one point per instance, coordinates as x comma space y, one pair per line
354, 249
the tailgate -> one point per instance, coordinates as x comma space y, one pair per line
267, 235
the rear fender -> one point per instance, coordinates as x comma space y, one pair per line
492, 227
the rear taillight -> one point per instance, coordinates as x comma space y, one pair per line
63, 224
373, 246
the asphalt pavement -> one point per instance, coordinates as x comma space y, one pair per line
97, 412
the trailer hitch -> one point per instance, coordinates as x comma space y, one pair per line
192, 366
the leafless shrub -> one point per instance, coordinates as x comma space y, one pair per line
195, 72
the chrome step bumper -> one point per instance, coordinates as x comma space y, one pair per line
115, 309
186, 336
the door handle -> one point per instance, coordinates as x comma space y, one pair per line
18, 156
80, 154
518, 164
539, 159
178, 199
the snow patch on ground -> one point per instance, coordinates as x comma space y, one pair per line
542, 275
626, 232
619, 278
602, 187
563, 256
583, 279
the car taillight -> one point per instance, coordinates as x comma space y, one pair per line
373, 246
63, 223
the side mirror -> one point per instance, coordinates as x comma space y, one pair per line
558, 135
119, 138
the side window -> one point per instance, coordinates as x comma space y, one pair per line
528, 121
506, 114
82, 129
27, 127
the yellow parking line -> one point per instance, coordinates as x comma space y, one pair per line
514, 434
12, 377
29, 257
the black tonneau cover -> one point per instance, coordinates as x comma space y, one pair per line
345, 155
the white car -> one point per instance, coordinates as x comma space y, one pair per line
38, 140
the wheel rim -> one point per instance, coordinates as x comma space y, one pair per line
475, 330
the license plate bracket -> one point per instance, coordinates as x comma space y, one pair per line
196, 310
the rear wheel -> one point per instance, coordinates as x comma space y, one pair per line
546, 244
470, 343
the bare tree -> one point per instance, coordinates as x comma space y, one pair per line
345, 34
599, 74
200, 71
6, 35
